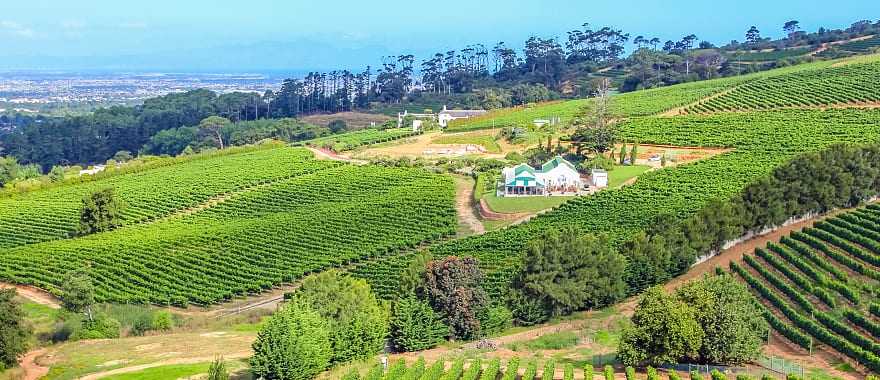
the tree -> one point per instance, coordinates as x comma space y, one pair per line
633, 154
733, 324
122, 156
293, 345
596, 133
567, 272
214, 125
413, 277
663, 330
217, 370
791, 27
15, 332
415, 326
337, 126
454, 288
78, 293
101, 211
358, 323
56, 174
753, 35
622, 155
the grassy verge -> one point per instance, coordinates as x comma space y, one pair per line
621, 174
522, 204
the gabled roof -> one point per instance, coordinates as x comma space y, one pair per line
554, 163
523, 168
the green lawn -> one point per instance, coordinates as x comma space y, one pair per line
522, 204
169, 372
486, 141
621, 174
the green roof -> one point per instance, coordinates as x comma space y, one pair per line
519, 169
554, 163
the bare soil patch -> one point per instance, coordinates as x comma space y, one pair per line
352, 119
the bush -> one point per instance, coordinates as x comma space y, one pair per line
217, 370
15, 331
100, 327
415, 326
293, 345
163, 321
495, 319
554, 341
141, 325
663, 330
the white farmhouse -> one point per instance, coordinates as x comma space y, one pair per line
556, 177
445, 116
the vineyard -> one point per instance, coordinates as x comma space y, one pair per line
317, 215
53, 214
761, 142
766, 56
848, 84
476, 369
819, 285
351, 140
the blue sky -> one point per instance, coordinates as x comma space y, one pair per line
348, 32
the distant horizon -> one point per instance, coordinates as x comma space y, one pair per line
276, 36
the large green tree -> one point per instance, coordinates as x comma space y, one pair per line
730, 318
14, 330
101, 211
358, 322
78, 293
568, 271
663, 330
293, 345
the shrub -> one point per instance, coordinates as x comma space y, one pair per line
99, 327
495, 319
664, 329
163, 320
554, 341
293, 345
375, 373
217, 370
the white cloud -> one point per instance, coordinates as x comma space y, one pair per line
16, 28
73, 24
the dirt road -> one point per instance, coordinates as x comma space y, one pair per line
464, 195
33, 294
28, 364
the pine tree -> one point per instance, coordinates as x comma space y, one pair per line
622, 155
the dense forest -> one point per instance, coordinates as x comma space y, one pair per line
472, 77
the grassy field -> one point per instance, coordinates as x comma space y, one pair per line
183, 371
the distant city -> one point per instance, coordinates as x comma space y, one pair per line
53, 93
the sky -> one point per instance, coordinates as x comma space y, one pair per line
256, 35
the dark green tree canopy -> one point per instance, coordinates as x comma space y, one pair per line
568, 272
415, 326
14, 330
101, 211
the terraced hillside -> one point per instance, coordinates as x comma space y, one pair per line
851, 84
351, 140
819, 285
318, 215
688, 97
52, 214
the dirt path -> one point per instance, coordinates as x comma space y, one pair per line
322, 154
464, 198
827, 45
28, 364
33, 294
100, 375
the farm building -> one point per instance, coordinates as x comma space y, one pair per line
555, 177
445, 116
